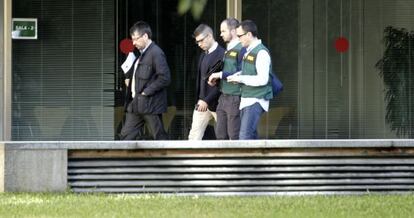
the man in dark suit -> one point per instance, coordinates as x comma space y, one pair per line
207, 96
146, 84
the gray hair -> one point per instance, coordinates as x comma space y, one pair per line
203, 29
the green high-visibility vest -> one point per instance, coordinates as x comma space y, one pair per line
249, 68
230, 66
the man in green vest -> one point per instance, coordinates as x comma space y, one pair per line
228, 113
256, 89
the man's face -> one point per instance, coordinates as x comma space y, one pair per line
225, 32
138, 40
243, 36
203, 41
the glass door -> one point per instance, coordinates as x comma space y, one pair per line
173, 33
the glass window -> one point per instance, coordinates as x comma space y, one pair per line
345, 72
277, 22
173, 33
68, 85
346, 66
63, 82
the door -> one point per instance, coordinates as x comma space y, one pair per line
173, 33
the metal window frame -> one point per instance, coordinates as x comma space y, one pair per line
234, 9
6, 68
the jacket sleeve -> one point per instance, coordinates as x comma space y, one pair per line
162, 73
213, 94
214, 91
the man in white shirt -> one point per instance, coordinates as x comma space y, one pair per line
256, 89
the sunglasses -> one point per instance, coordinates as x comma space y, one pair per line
242, 34
201, 40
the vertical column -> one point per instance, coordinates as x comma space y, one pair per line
5, 69
234, 9
2, 19
5, 72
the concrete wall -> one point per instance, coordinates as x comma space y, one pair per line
43, 166
2, 167
34, 170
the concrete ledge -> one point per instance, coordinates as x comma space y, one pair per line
2, 160
43, 166
35, 170
380, 143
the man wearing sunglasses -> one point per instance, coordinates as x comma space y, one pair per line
256, 89
206, 96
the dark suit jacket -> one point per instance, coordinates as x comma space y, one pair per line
205, 92
152, 76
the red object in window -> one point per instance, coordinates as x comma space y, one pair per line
126, 46
341, 44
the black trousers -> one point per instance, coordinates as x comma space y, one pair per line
135, 124
228, 117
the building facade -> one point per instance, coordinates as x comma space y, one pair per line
68, 85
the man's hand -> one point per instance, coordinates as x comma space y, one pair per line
202, 106
235, 78
212, 80
127, 82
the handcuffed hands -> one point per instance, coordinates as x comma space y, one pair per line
212, 80
235, 78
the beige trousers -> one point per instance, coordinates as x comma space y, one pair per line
199, 124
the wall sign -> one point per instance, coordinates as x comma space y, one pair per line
24, 28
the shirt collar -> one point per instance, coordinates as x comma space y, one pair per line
213, 47
143, 50
253, 45
233, 43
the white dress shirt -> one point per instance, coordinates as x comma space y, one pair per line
135, 68
213, 47
233, 43
263, 62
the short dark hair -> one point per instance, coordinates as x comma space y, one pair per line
232, 23
202, 28
249, 26
141, 27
